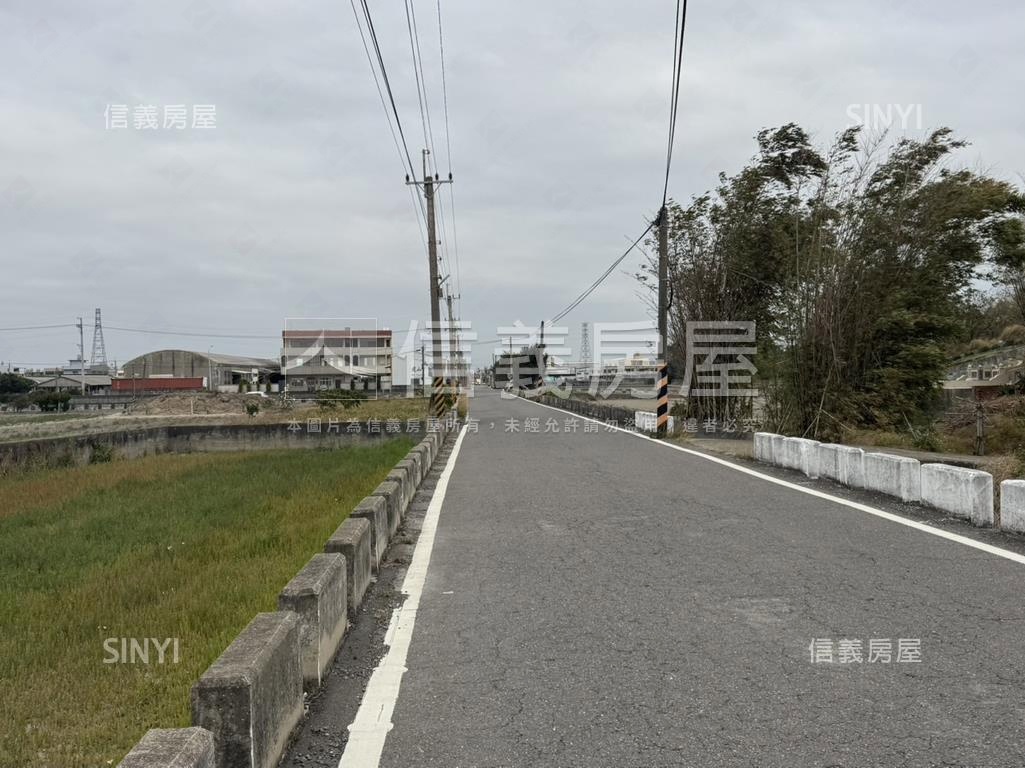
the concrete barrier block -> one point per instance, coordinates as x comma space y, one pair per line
842, 463
391, 491
893, 475
647, 421
431, 441
1012, 506
801, 454
374, 509
251, 698
317, 596
178, 747
778, 450
352, 539
425, 457
400, 475
763, 447
412, 465
966, 493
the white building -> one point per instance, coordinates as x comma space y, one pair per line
320, 359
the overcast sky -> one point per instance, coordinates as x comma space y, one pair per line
294, 204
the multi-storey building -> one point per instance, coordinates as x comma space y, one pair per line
319, 359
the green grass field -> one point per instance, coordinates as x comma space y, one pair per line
187, 547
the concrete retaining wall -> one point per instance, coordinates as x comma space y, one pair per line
966, 493
317, 595
352, 539
251, 698
177, 747
136, 443
1012, 506
893, 475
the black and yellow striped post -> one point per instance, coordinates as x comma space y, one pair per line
662, 411
438, 403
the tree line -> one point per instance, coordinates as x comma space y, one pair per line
864, 263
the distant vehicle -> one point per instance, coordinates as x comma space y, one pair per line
256, 394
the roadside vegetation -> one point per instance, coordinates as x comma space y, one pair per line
869, 266
188, 547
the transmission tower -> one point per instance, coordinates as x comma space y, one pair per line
98, 359
585, 343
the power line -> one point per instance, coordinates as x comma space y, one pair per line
679, 29
591, 288
40, 327
421, 81
387, 82
448, 151
418, 205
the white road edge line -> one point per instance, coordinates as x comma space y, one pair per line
982, 546
369, 730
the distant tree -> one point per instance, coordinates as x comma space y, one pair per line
11, 385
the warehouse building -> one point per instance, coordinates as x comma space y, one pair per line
220, 372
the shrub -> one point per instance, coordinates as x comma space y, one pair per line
102, 453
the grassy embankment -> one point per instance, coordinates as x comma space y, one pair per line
187, 547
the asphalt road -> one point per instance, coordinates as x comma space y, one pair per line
594, 599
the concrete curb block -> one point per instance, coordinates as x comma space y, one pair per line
1012, 506
392, 493
842, 463
425, 457
965, 493
401, 474
778, 442
893, 475
317, 595
374, 509
646, 421
413, 459
177, 747
762, 447
801, 454
352, 539
251, 698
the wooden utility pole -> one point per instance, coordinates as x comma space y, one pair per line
662, 412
